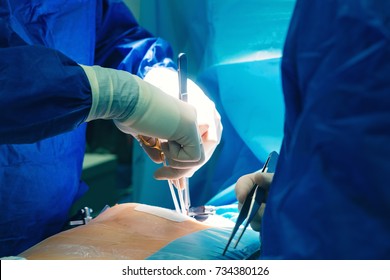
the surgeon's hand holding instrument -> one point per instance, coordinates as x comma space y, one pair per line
182, 201
181, 160
252, 203
208, 118
183, 95
139, 108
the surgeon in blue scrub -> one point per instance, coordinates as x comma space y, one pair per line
51, 86
330, 195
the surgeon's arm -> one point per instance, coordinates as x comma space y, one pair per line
44, 93
139, 108
121, 43
244, 185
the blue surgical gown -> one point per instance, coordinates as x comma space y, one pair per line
330, 198
45, 97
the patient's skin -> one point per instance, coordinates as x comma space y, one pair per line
118, 233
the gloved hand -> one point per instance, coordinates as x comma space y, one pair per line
244, 185
139, 108
208, 118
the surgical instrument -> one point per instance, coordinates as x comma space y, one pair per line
183, 95
201, 213
157, 145
82, 217
252, 203
182, 203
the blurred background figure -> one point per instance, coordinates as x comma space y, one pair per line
330, 196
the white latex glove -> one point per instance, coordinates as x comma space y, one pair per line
244, 185
208, 118
139, 108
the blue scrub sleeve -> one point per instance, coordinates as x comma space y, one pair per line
43, 93
122, 44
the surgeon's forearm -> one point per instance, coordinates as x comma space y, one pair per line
43, 93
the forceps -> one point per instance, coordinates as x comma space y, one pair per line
252, 203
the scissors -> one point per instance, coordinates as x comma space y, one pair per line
182, 203
252, 203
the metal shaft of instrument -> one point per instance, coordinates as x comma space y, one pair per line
183, 95
173, 194
247, 218
180, 194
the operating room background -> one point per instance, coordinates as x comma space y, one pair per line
234, 49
